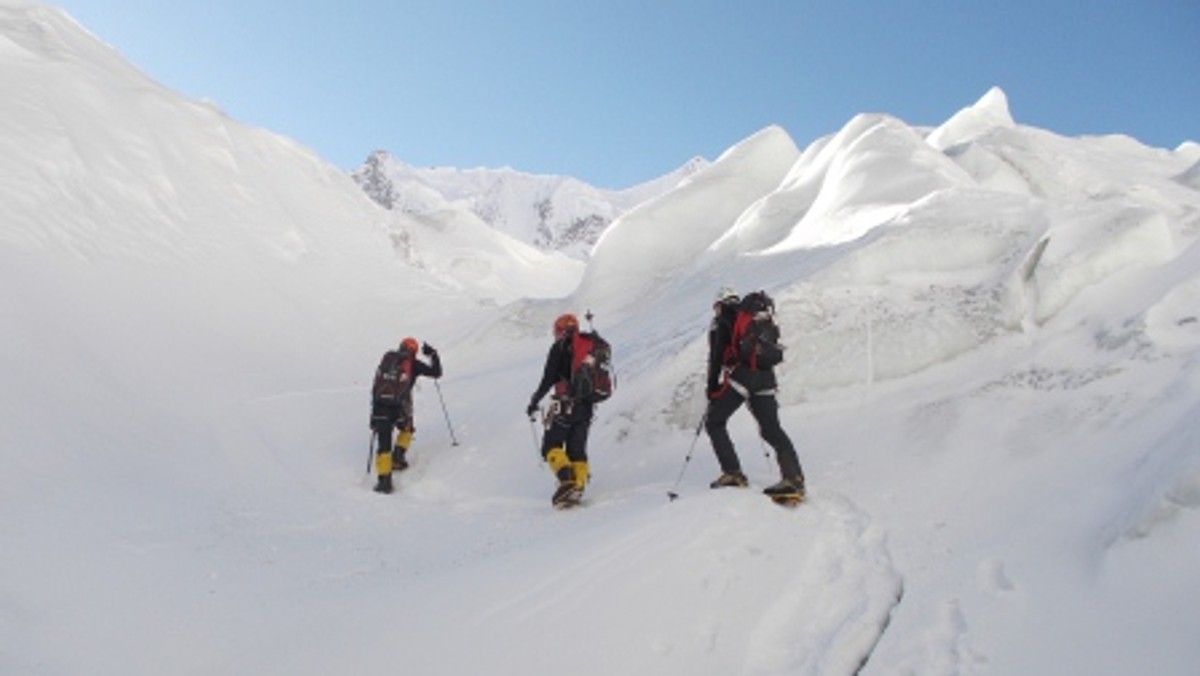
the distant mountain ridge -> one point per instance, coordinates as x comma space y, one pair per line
556, 213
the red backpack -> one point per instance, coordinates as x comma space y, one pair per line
755, 341
592, 379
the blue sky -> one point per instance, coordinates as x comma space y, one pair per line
616, 92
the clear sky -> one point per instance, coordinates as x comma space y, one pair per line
616, 92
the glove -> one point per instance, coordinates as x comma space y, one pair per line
532, 409
427, 349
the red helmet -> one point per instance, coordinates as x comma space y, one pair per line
564, 324
409, 345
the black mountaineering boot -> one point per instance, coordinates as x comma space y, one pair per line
399, 464
569, 491
567, 494
791, 488
385, 484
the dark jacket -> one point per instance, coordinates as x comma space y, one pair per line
402, 409
556, 375
721, 356
557, 368
431, 370
720, 332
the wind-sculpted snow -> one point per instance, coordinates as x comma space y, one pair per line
834, 193
969, 124
852, 239
659, 241
993, 359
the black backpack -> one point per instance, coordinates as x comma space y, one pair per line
393, 378
592, 378
756, 337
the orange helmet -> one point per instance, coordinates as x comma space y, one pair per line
564, 324
409, 345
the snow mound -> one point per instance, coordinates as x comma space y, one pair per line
1191, 177
877, 166
642, 250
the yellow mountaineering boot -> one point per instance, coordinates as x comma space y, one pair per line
567, 492
560, 465
403, 439
580, 467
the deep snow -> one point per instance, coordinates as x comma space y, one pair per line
992, 381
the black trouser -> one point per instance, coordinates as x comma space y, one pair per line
385, 420
569, 430
765, 410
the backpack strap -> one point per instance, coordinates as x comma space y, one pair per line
741, 320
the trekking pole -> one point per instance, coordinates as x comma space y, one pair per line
537, 447
671, 494
370, 451
453, 441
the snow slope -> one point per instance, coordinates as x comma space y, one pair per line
992, 381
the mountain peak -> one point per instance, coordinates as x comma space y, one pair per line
988, 113
557, 213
